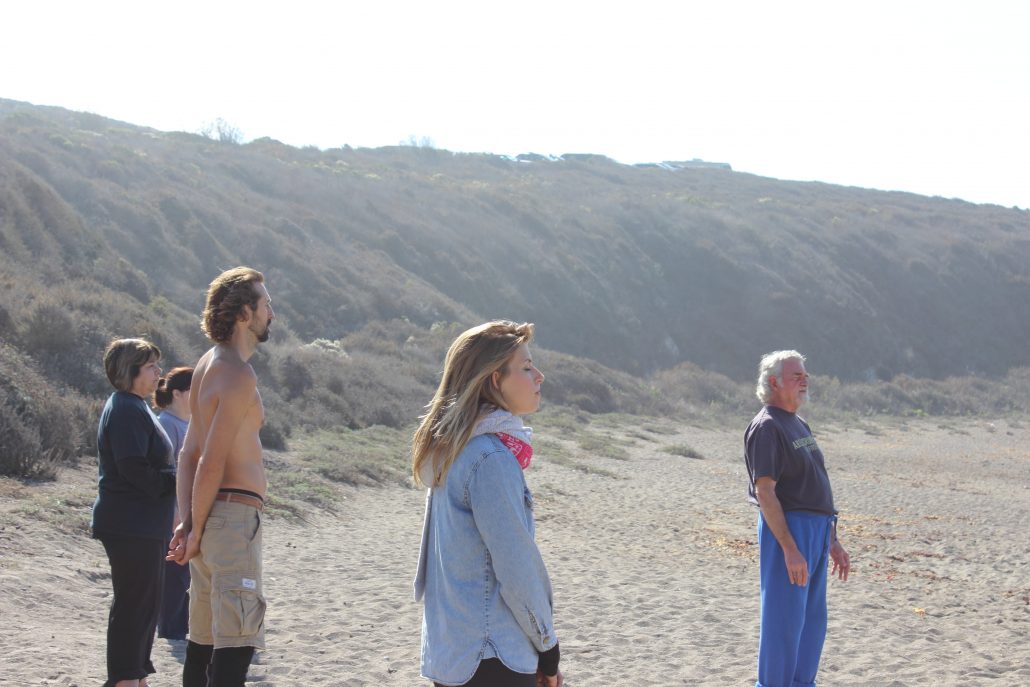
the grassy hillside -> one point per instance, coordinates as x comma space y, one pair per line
638, 268
375, 258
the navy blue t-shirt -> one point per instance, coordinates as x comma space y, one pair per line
137, 476
780, 445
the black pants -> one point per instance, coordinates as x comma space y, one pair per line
209, 667
137, 575
493, 673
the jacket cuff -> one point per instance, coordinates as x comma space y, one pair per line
548, 663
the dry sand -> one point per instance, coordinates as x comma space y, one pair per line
652, 559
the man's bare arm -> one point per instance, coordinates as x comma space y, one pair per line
772, 512
189, 456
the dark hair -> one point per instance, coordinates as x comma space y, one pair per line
124, 358
226, 296
177, 379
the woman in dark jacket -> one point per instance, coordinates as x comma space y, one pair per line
132, 515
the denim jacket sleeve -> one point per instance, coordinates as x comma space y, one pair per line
497, 495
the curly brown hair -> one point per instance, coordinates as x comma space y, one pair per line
226, 296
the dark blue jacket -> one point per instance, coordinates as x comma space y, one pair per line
137, 475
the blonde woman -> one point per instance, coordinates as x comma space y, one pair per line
488, 615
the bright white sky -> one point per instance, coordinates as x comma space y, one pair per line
911, 95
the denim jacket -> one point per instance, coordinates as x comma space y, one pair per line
480, 574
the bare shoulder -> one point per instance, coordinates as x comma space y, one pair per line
200, 369
231, 378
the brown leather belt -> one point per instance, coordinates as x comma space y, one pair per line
240, 498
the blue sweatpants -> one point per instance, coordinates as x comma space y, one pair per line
793, 624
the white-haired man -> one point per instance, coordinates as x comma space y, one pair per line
797, 526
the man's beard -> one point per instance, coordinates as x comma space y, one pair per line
263, 336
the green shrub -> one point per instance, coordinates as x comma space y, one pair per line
41, 425
293, 376
6, 324
594, 388
273, 435
21, 451
692, 389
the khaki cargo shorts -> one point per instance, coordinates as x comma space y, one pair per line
227, 605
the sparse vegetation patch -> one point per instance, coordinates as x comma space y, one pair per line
682, 450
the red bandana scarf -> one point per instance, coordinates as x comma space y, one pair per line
522, 451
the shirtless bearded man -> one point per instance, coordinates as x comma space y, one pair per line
221, 487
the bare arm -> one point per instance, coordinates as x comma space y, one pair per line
188, 459
841, 559
189, 456
772, 513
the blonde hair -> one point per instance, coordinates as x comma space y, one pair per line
465, 389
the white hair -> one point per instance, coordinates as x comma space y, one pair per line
771, 365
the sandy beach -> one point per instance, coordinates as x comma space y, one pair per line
652, 556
